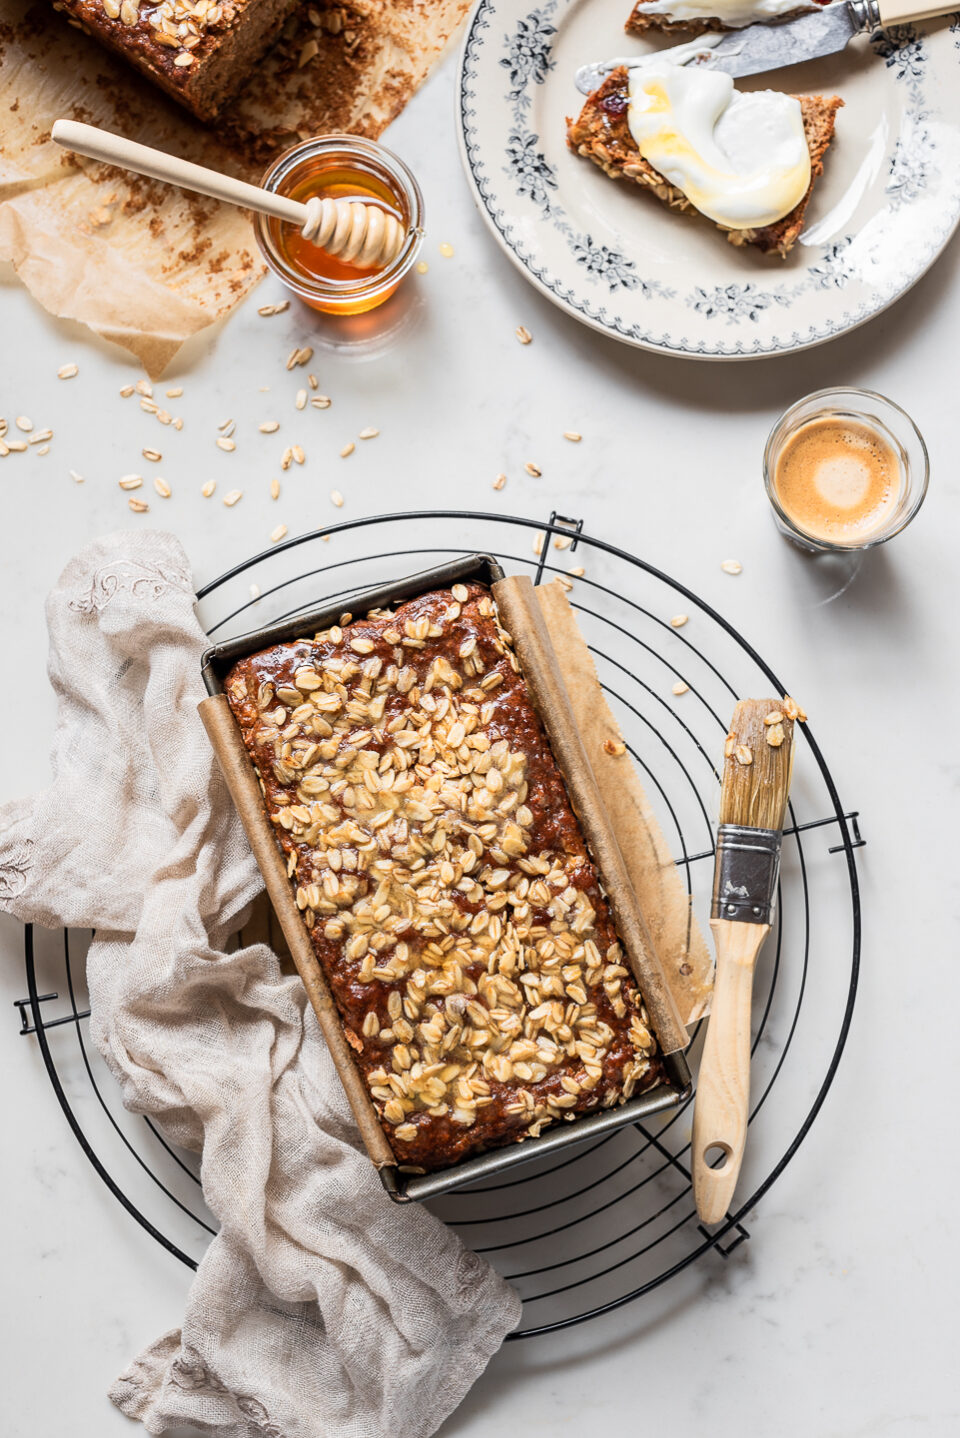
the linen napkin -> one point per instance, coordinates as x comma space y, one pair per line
320, 1308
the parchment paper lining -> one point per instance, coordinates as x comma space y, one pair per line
683, 953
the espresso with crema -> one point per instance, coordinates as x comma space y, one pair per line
838, 479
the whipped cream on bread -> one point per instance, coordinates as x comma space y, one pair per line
740, 157
733, 13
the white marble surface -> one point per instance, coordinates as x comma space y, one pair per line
838, 1318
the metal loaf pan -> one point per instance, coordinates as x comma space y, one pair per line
401, 1185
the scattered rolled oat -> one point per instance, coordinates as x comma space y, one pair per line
446, 250
368, 433
729, 744
422, 267
298, 454
231, 499
744, 754
299, 356
174, 393
229, 445
572, 435
274, 489
144, 387
793, 710
24, 424
307, 53
208, 488
162, 487
538, 544
67, 371
139, 506
254, 591
614, 747
149, 406
678, 621
523, 334
286, 459
563, 541
732, 566
336, 498
269, 426
130, 481
533, 469
16, 446
312, 381
153, 454
164, 416
564, 583
40, 436
680, 687
278, 309
774, 717
277, 534
347, 450
77, 478
775, 736
460, 593
43, 449
127, 391
500, 481
579, 571
228, 426
301, 399
178, 423
321, 401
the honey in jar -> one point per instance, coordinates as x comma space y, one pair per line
341, 167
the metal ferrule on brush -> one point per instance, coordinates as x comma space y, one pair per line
746, 873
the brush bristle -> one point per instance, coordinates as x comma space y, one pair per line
758, 763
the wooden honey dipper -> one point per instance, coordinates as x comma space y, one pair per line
355, 232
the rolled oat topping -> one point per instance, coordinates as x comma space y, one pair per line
443, 877
178, 25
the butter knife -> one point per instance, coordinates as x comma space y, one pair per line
756, 48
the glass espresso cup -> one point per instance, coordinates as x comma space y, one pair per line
844, 469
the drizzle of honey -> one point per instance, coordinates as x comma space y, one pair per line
340, 178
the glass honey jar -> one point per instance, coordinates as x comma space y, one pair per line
341, 167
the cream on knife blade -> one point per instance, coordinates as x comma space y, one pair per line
742, 159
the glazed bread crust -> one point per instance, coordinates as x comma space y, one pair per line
201, 52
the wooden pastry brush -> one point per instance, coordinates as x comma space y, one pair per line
758, 762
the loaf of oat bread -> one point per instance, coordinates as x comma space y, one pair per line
601, 134
443, 877
200, 51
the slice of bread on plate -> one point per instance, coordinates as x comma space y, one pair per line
601, 134
640, 20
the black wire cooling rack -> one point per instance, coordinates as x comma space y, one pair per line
602, 1227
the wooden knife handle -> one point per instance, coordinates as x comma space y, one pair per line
904, 12
722, 1103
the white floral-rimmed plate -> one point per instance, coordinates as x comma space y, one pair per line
883, 210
